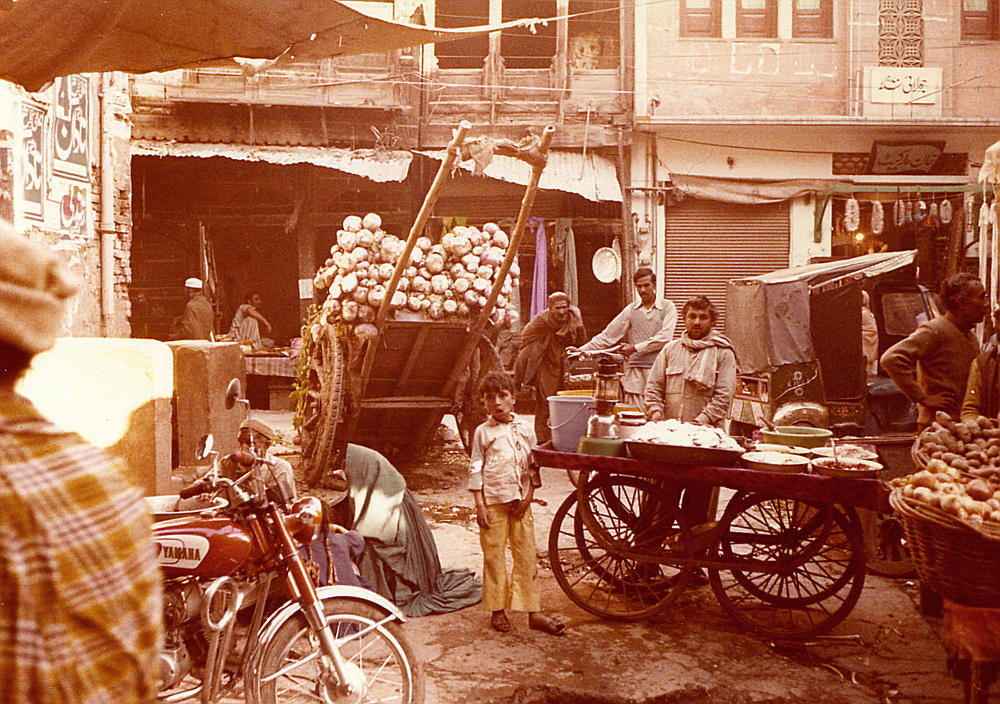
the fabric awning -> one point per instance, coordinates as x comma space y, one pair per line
747, 191
42, 39
378, 165
592, 176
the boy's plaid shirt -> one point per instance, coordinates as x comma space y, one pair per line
80, 589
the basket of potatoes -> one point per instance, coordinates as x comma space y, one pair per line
952, 521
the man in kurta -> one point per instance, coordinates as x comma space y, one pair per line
541, 360
931, 366
195, 323
644, 326
694, 377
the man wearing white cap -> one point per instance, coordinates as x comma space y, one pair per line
196, 321
79, 583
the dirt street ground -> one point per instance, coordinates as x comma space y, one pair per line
883, 653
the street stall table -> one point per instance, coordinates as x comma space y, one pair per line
786, 558
273, 372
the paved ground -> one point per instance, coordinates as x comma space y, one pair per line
883, 653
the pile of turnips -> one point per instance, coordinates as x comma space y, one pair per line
448, 280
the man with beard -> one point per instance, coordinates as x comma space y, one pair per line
694, 377
540, 363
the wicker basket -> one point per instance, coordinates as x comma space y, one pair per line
959, 561
920, 458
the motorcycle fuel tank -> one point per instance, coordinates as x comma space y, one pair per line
203, 546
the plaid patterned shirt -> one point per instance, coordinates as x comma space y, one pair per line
80, 609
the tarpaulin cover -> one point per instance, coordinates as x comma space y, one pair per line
42, 39
772, 327
379, 165
591, 176
728, 190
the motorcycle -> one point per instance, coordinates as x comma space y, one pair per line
240, 606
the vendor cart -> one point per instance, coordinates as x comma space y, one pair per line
391, 391
786, 558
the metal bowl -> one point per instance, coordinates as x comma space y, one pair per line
797, 435
776, 461
844, 467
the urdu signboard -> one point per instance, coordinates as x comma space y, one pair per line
919, 85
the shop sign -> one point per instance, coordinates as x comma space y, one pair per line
905, 84
904, 157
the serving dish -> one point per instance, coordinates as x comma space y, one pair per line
843, 467
847, 451
775, 461
682, 454
798, 435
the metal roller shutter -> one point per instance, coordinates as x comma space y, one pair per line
708, 243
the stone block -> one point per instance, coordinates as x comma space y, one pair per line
202, 370
115, 392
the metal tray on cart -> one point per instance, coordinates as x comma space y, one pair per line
682, 454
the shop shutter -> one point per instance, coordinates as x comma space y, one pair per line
708, 243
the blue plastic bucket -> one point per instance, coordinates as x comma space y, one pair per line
568, 416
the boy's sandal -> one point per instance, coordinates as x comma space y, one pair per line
546, 624
499, 622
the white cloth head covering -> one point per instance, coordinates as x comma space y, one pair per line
193, 283
34, 288
259, 426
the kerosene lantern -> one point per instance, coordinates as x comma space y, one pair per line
607, 394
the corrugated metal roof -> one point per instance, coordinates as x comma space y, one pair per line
592, 176
378, 165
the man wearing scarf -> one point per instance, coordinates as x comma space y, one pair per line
694, 377
540, 362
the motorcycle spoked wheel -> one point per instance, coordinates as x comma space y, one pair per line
381, 663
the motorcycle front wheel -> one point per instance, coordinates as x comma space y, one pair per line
380, 661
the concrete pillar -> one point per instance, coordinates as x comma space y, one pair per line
201, 372
116, 393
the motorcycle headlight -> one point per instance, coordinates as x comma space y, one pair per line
304, 519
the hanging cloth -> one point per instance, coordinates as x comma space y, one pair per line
540, 278
565, 236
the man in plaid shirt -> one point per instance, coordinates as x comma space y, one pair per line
80, 611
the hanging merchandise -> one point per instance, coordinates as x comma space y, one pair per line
878, 218
907, 213
852, 215
899, 213
932, 211
919, 211
945, 211
984, 240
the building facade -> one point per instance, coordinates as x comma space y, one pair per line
758, 121
65, 181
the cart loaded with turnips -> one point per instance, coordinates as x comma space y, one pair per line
403, 333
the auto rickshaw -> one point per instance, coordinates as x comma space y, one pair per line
797, 337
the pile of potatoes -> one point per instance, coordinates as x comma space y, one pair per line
971, 446
962, 477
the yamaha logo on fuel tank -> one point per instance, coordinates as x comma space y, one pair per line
181, 551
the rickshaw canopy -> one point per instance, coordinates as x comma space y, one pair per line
770, 316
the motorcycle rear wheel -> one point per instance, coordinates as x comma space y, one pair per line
381, 662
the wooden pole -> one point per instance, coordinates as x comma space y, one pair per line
515, 240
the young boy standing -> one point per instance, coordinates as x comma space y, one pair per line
502, 479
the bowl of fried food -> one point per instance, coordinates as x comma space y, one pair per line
846, 467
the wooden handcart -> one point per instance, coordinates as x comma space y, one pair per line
392, 390
786, 558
